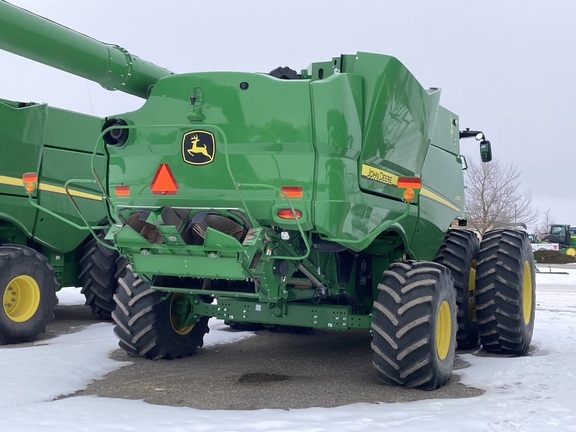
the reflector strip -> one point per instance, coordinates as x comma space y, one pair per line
122, 190
30, 177
164, 182
409, 182
292, 191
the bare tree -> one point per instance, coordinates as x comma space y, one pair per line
495, 199
543, 226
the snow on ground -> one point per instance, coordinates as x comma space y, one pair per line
533, 393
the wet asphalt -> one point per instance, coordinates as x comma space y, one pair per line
269, 370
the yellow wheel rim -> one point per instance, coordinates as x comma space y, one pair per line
527, 293
472, 290
176, 325
21, 298
571, 251
443, 330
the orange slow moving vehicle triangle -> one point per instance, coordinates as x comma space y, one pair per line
164, 182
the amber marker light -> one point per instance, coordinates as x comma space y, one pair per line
292, 191
409, 194
410, 186
288, 214
122, 190
30, 180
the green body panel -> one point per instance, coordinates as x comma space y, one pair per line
345, 133
58, 146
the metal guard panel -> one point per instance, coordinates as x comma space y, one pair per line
221, 267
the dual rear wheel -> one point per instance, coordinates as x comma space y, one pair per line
505, 292
473, 293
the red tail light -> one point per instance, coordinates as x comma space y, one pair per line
122, 190
409, 182
288, 214
292, 191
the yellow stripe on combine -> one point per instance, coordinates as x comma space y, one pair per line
13, 181
381, 176
61, 190
433, 196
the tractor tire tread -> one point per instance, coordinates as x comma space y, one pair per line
97, 277
458, 251
499, 292
401, 325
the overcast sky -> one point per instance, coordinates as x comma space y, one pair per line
504, 66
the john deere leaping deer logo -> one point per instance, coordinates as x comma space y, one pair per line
198, 147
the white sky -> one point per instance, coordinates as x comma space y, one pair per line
506, 67
524, 394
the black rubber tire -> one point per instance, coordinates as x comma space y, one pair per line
25, 274
415, 301
143, 324
97, 277
505, 292
459, 253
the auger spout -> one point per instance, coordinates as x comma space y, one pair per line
36, 38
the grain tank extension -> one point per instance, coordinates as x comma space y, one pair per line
313, 199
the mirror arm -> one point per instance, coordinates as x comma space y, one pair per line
467, 133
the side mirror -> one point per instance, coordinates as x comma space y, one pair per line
485, 151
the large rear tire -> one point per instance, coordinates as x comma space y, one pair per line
414, 325
98, 277
459, 253
28, 289
145, 323
506, 292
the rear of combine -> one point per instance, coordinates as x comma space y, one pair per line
312, 200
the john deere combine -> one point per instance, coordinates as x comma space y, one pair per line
315, 199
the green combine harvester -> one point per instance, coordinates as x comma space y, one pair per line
40, 252
312, 199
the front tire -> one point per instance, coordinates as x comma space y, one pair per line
459, 253
506, 292
28, 289
414, 325
146, 325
